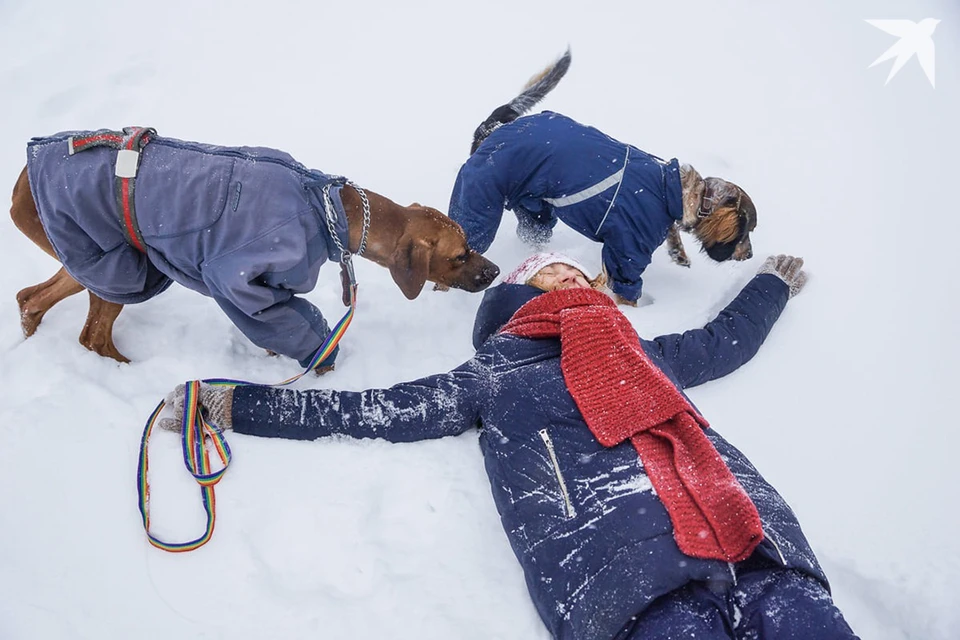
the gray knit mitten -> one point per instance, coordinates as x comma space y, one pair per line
215, 401
788, 269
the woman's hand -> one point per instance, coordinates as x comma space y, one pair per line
788, 269
215, 401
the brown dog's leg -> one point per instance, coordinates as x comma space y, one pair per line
24, 214
675, 247
35, 301
97, 334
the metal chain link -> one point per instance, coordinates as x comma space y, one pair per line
331, 217
366, 217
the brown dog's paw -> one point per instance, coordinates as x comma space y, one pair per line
680, 257
675, 247
318, 371
29, 321
30, 315
619, 299
98, 344
440, 287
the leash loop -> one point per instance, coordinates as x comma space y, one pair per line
196, 457
196, 432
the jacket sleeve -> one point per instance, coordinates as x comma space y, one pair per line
478, 198
256, 287
441, 405
731, 339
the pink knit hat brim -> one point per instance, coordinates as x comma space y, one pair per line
529, 267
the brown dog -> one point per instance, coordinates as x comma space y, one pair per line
415, 243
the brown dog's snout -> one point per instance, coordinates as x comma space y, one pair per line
476, 274
487, 274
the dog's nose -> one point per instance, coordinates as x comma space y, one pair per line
744, 250
487, 274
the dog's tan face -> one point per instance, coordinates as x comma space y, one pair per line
433, 247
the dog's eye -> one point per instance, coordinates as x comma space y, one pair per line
731, 201
463, 257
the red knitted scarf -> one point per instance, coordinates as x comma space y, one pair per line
621, 395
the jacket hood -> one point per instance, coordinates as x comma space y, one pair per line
498, 306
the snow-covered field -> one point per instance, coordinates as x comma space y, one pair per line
846, 409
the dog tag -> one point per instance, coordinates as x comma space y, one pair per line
127, 160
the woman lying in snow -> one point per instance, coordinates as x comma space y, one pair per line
630, 516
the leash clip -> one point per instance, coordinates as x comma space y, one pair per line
346, 259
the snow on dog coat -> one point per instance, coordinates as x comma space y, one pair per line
549, 165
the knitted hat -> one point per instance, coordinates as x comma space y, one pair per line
529, 267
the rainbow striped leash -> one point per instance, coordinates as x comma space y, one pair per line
195, 431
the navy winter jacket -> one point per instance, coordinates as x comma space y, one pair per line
595, 543
243, 225
548, 165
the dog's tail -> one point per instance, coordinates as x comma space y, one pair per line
535, 90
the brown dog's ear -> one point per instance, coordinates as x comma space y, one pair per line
411, 264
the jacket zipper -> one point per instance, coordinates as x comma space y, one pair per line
775, 546
571, 513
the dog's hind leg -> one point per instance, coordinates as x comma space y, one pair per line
35, 301
675, 246
97, 334
24, 213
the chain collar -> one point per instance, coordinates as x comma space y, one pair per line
330, 215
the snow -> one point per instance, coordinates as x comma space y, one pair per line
845, 409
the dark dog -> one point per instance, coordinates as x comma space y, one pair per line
718, 213
547, 167
245, 226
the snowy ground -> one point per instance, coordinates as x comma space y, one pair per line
845, 409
